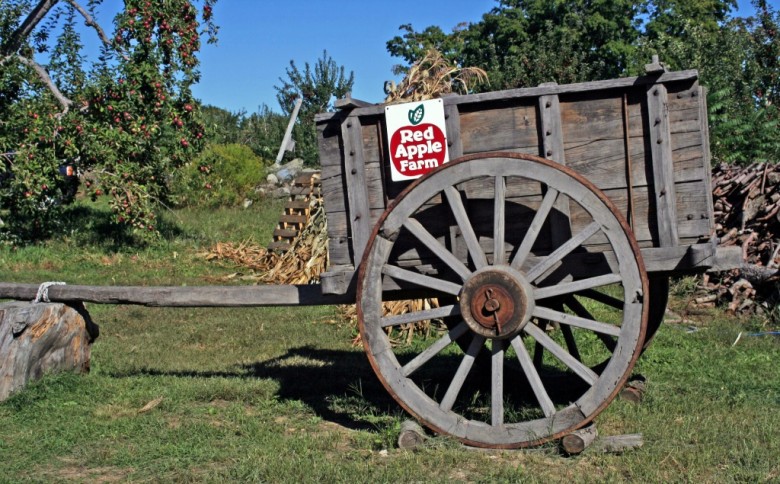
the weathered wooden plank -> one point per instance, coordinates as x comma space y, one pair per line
372, 146
497, 383
333, 189
329, 142
339, 280
356, 185
706, 160
552, 148
178, 296
663, 173
511, 127
454, 139
535, 92
348, 102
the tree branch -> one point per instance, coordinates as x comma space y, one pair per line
44, 76
16, 39
90, 21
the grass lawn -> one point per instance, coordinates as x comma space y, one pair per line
281, 395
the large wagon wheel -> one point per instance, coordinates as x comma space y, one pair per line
508, 288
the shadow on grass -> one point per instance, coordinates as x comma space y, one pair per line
321, 379
341, 387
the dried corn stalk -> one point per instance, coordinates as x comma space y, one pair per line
405, 333
433, 76
303, 263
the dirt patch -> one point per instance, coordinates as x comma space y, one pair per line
74, 471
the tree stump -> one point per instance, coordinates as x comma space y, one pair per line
38, 338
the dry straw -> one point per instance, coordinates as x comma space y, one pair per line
432, 77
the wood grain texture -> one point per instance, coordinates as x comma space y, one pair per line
38, 338
663, 174
180, 296
356, 184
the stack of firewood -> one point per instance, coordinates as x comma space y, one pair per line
747, 214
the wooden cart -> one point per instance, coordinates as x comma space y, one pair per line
546, 242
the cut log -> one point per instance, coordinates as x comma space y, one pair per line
411, 436
616, 444
579, 440
634, 390
38, 338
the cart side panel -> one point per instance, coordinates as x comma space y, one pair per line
643, 141
607, 134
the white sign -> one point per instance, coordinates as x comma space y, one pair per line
417, 134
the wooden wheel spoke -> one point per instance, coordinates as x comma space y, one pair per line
533, 377
588, 375
421, 280
609, 342
416, 228
497, 384
417, 316
499, 221
602, 298
462, 219
463, 371
558, 254
419, 360
576, 286
534, 229
577, 321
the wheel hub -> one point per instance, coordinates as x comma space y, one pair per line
495, 302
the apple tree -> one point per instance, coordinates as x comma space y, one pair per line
127, 117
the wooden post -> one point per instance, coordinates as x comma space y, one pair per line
288, 132
552, 148
356, 186
663, 169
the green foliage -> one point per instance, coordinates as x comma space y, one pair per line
527, 42
130, 120
412, 46
221, 176
262, 131
522, 43
318, 87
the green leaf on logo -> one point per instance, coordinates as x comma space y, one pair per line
416, 115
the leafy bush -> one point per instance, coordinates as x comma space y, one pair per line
222, 175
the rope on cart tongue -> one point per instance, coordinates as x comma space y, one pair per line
43, 291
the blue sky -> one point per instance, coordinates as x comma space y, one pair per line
258, 38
